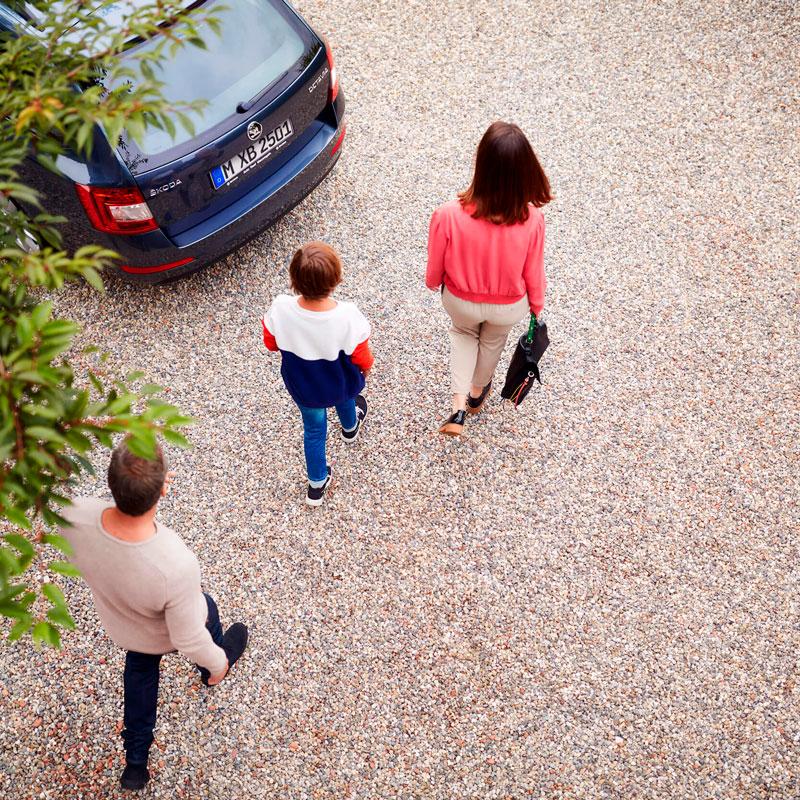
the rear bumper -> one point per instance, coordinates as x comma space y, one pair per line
154, 257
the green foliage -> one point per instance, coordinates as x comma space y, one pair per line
62, 79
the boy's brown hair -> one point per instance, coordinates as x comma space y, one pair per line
315, 271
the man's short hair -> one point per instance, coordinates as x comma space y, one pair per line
135, 482
315, 271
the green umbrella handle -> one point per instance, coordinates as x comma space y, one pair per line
532, 328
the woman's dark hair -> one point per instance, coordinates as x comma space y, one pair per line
315, 271
507, 177
136, 482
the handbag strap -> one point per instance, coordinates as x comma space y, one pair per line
532, 328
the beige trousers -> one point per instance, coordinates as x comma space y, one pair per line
477, 337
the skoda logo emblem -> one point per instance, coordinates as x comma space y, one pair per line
254, 130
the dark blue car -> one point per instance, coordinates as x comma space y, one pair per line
270, 132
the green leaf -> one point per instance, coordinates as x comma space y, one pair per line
12, 590
20, 543
25, 548
64, 568
20, 628
59, 542
12, 610
96, 382
143, 444
9, 565
93, 278
47, 434
120, 405
104, 437
43, 459
48, 162
24, 329
41, 411
49, 352
51, 518
54, 594
60, 616
29, 375
60, 327
45, 633
173, 437
77, 440
60, 499
84, 134
16, 516
177, 420
41, 314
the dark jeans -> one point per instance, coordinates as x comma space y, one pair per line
141, 692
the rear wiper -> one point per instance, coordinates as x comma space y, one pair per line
246, 105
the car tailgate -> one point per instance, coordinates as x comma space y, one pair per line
182, 193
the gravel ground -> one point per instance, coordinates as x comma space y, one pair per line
592, 597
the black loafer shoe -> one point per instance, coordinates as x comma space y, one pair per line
454, 424
134, 777
475, 404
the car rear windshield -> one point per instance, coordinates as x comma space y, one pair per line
256, 45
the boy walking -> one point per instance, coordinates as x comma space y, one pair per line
146, 588
325, 355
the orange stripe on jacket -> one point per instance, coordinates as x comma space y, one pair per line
362, 356
269, 339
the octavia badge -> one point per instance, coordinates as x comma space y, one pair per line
254, 130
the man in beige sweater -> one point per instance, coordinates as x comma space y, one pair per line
146, 587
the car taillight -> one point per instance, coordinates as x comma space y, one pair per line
157, 268
334, 88
116, 210
342, 130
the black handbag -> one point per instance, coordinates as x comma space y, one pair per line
524, 366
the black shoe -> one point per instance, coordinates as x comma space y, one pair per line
316, 493
361, 415
134, 777
475, 404
454, 424
234, 641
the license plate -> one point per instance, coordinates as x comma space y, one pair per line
252, 155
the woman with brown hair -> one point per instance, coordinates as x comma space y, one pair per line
486, 252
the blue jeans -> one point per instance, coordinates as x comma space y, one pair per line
141, 692
315, 429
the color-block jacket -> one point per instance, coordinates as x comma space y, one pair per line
323, 353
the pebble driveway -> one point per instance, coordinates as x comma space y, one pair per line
595, 596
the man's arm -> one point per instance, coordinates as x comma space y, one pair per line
187, 624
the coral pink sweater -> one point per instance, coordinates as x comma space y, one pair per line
486, 263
